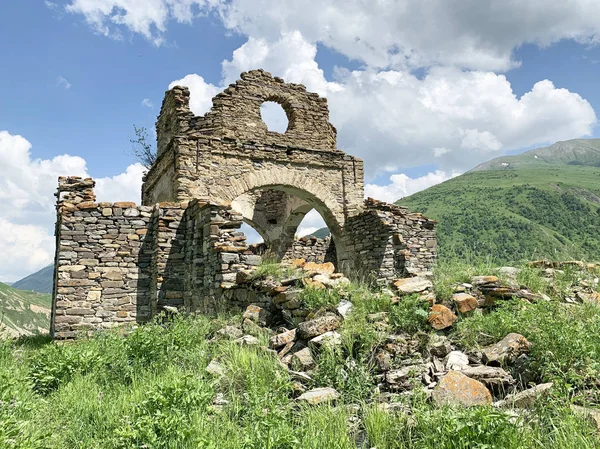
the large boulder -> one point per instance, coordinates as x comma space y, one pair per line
441, 317
506, 350
457, 389
315, 327
408, 286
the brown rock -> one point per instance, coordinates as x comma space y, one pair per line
282, 339
441, 317
526, 398
409, 286
298, 263
457, 389
484, 280
465, 302
318, 326
320, 268
506, 350
303, 359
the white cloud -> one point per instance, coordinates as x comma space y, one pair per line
403, 185
62, 81
147, 103
146, 17
475, 34
27, 202
312, 221
201, 92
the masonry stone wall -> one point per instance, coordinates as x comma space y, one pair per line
102, 266
312, 249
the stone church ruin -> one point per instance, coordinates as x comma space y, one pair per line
121, 262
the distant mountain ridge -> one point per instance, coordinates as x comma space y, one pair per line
541, 203
40, 281
584, 152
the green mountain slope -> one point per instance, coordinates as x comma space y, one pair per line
40, 281
519, 207
23, 312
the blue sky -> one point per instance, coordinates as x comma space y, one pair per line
419, 91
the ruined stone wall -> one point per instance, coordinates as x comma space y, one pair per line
312, 249
389, 242
103, 260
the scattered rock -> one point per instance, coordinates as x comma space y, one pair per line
479, 281
319, 395
326, 340
247, 340
465, 302
230, 332
319, 268
279, 340
312, 328
344, 307
303, 359
441, 317
457, 389
404, 378
526, 398
215, 368
257, 315
591, 414
457, 361
439, 346
494, 378
506, 350
409, 286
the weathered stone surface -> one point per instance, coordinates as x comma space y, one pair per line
408, 286
247, 340
279, 340
526, 398
457, 361
591, 414
319, 395
441, 317
405, 377
484, 280
257, 314
328, 339
303, 359
457, 389
494, 378
439, 346
312, 328
215, 368
231, 332
321, 268
506, 350
465, 302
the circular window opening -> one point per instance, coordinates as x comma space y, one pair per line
274, 117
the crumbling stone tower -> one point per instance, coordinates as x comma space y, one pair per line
182, 248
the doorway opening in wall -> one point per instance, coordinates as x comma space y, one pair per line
274, 116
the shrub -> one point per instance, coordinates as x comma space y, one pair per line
410, 315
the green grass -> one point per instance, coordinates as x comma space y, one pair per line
23, 312
532, 212
148, 388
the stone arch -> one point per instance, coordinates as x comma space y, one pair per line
314, 195
294, 183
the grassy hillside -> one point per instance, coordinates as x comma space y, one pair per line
151, 387
40, 281
539, 208
23, 312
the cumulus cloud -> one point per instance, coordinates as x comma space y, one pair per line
201, 92
474, 34
402, 185
147, 103
148, 17
27, 202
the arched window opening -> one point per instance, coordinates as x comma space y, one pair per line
274, 117
252, 235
